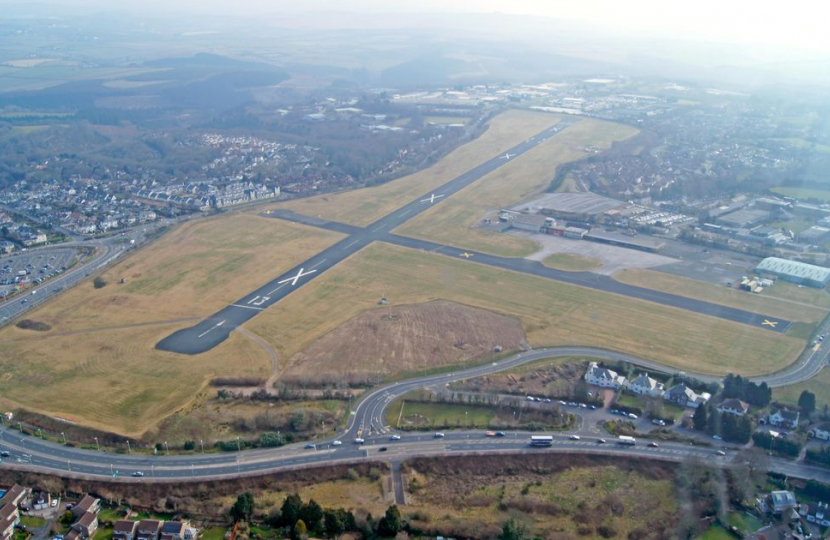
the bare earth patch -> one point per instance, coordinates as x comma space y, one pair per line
405, 338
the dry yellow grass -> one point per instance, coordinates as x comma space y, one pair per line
454, 221
98, 364
552, 313
793, 310
363, 206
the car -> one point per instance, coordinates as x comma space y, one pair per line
489, 433
572, 404
54, 503
501, 434
310, 446
57, 537
5, 453
615, 411
658, 422
653, 444
574, 437
439, 435
336, 443
633, 416
359, 441
720, 453
562, 402
395, 438
137, 474
583, 406
547, 400
717, 437
592, 407
600, 441
70, 506
529, 398
382, 449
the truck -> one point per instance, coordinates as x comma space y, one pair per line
625, 440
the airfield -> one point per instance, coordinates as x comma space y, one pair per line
293, 273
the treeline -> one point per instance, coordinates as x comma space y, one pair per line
735, 386
780, 445
730, 427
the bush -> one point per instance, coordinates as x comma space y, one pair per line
37, 326
99, 282
779, 445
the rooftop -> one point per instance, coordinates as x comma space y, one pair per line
794, 268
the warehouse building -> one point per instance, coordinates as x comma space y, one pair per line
814, 235
794, 271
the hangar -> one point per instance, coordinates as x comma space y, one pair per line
795, 271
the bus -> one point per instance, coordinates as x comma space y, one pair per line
626, 440
541, 440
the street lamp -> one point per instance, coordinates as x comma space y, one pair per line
40, 432
238, 446
129, 450
64, 437
167, 448
98, 446
202, 444
69, 465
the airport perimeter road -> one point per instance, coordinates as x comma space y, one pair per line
367, 422
212, 331
215, 329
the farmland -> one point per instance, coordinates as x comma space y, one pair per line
551, 313
363, 206
454, 221
102, 340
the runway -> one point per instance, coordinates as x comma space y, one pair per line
215, 329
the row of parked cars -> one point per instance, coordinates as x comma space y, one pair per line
563, 403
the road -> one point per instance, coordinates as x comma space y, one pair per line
367, 422
215, 329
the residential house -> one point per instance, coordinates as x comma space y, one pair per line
733, 406
87, 504
124, 529
6, 246
784, 418
644, 385
15, 495
781, 501
820, 431
148, 529
86, 525
604, 377
6, 528
818, 513
174, 530
685, 396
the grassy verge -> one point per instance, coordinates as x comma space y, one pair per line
363, 206
777, 301
454, 221
571, 263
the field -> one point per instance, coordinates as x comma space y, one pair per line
363, 206
803, 193
781, 300
571, 263
102, 340
551, 313
439, 414
454, 221
819, 385
550, 377
382, 342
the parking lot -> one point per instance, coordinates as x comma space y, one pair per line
33, 267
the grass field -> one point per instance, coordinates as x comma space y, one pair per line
781, 300
102, 340
571, 263
454, 221
552, 313
363, 206
803, 193
819, 385
441, 414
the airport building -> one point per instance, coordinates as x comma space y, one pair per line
794, 271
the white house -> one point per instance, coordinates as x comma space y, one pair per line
782, 500
603, 377
644, 385
733, 406
820, 431
784, 418
818, 513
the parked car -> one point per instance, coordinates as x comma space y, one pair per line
633, 416
54, 503
717, 437
5, 453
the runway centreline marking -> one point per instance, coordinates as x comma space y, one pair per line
275, 290
350, 244
315, 266
248, 307
379, 227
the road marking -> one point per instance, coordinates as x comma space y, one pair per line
258, 300
431, 198
770, 323
249, 307
405, 213
350, 244
316, 265
220, 323
275, 290
300, 274
379, 227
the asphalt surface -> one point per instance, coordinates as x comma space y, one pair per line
367, 421
215, 329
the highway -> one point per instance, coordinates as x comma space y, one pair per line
367, 421
215, 329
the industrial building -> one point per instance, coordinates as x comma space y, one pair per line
742, 219
795, 272
814, 235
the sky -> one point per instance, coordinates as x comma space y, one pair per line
794, 23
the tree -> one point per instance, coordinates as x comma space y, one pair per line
333, 523
391, 523
807, 401
700, 418
291, 508
311, 514
243, 508
99, 282
512, 531
189, 445
300, 530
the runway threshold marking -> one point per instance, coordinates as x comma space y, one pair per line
248, 307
